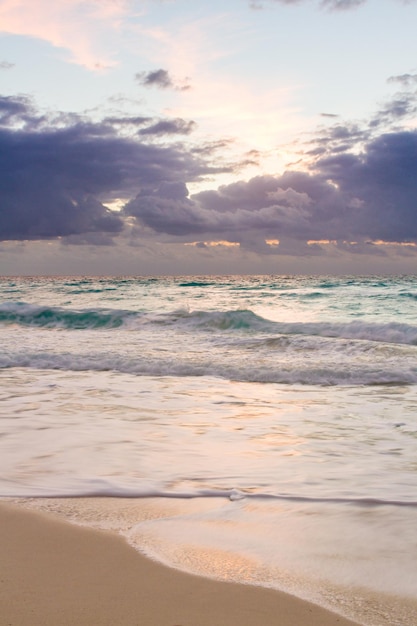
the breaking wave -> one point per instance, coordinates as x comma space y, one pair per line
54, 317
23, 314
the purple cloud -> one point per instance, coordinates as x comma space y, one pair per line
55, 178
161, 79
176, 126
348, 197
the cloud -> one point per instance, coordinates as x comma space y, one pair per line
176, 126
331, 5
17, 110
407, 80
337, 5
341, 137
93, 21
348, 198
384, 180
158, 78
127, 120
5, 65
162, 80
58, 172
402, 106
245, 211
352, 137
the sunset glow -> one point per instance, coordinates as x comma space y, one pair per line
174, 131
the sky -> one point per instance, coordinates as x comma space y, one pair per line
169, 137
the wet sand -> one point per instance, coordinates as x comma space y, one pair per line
53, 572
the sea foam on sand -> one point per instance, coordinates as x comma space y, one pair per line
56, 573
138, 519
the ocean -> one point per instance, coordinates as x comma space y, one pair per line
268, 423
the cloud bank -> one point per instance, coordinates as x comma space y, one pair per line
58, 173
356, 198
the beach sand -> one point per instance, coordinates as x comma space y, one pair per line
55, 573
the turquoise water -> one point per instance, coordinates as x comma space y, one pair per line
278, 412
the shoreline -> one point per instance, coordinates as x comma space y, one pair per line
55, 572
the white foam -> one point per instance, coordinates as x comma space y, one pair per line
355, 563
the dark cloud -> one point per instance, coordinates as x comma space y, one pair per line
264, 206
5, 65
211, 147
339, 137
127, 120
167, 209
384, 181
57, 173
396, 112
400, 107
11, 109
18, 111
176, 126
345, 132
348, 197
162, 80
158, 78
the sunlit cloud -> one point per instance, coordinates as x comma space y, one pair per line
320, 242
209, 146
213, 244
405, 244
81, 27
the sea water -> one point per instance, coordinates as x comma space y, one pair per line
259, 429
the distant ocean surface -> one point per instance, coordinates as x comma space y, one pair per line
275, 415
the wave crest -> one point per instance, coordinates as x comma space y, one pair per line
54, 317
242, 320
